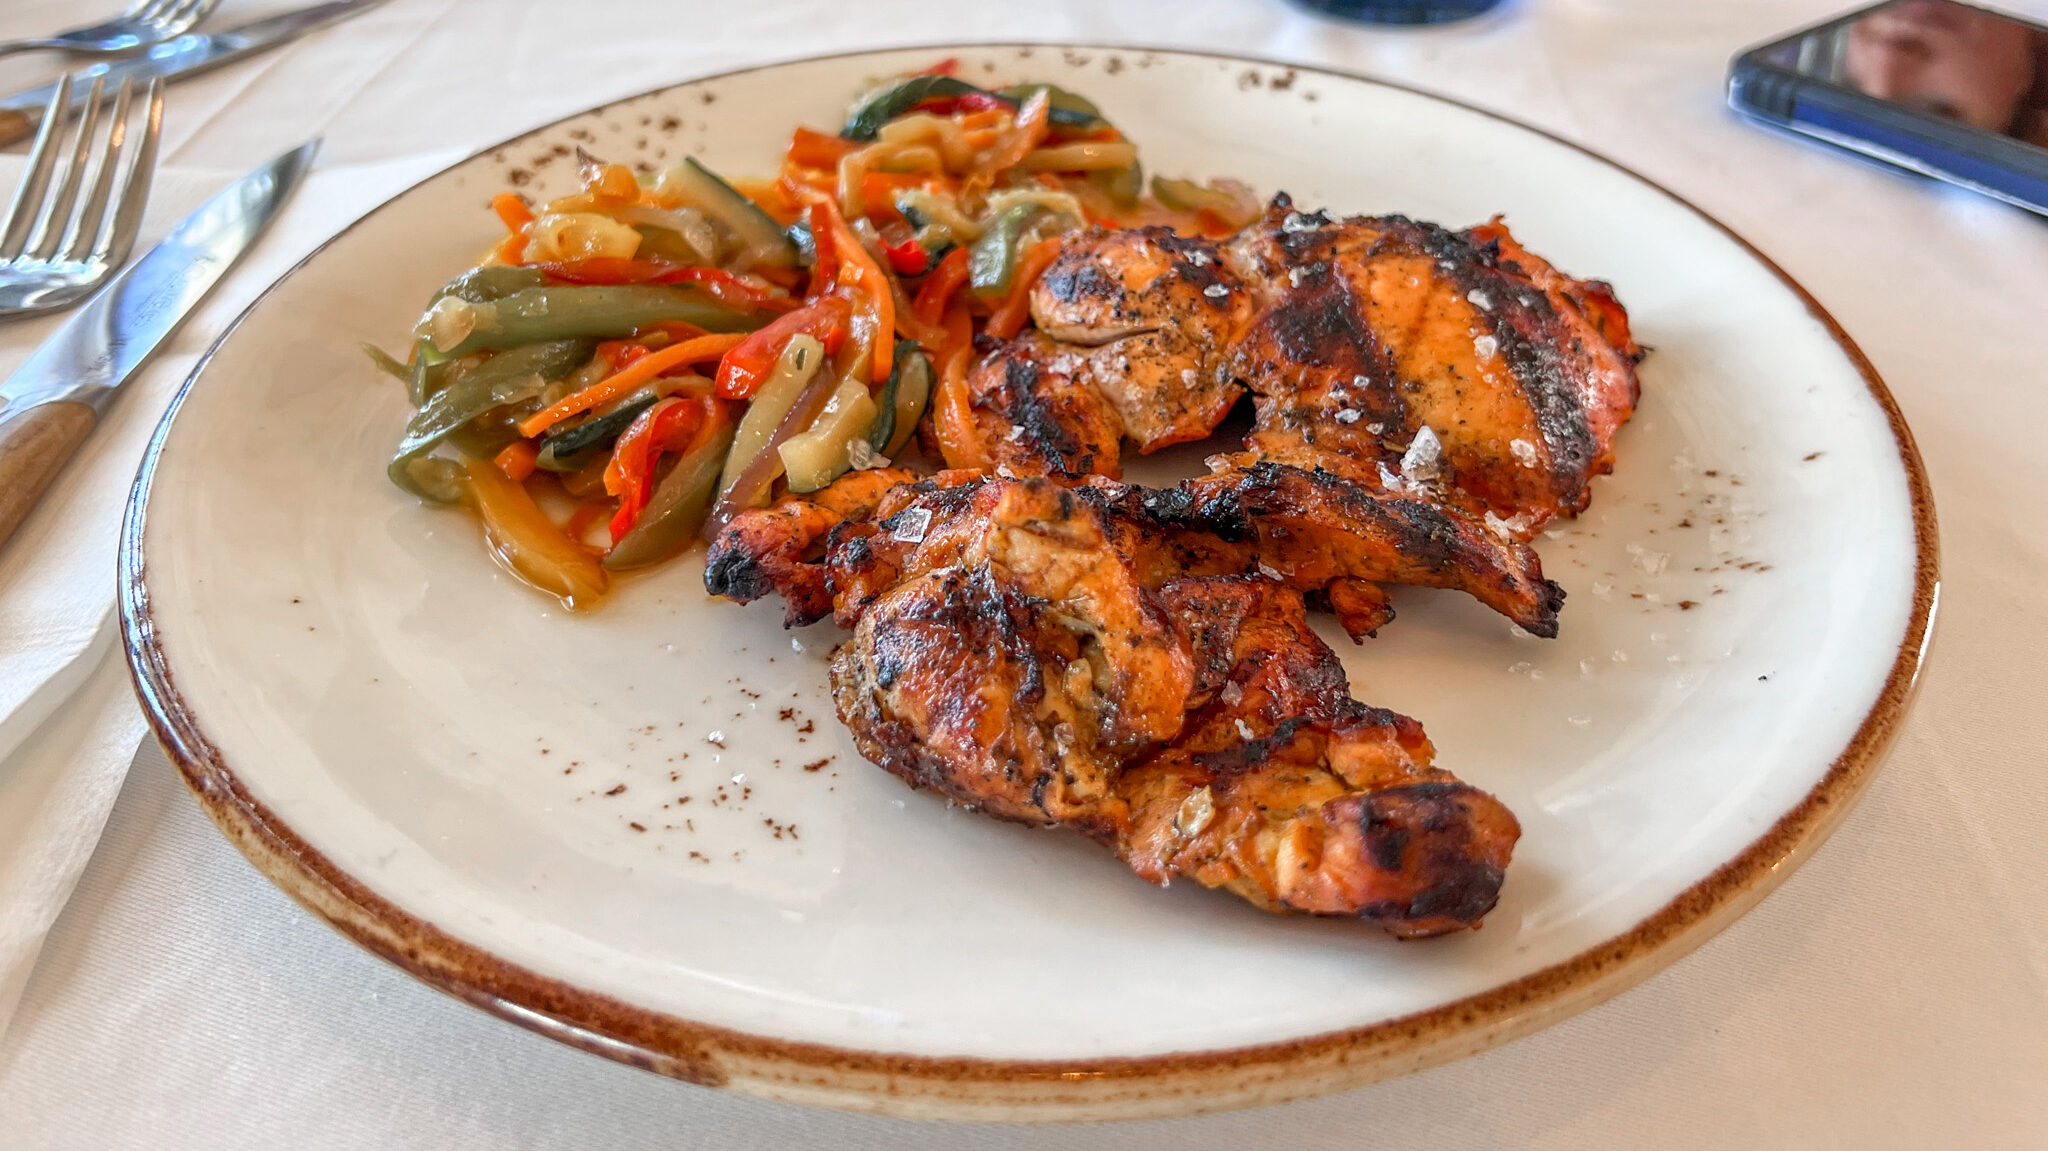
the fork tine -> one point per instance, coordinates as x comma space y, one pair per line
56, 218
91, 219
29, 196
148, 11
134, 194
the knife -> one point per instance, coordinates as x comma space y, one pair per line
186, 55
50, 404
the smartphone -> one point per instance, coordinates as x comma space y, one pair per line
1948, 90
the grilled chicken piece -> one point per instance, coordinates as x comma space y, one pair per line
1314, 529
1330, 806
778, 547
1373, 329
1401, 356
1155, 311
1037, 411
1311, 531
1019, 658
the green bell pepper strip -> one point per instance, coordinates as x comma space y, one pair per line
992, 261
560, 312
516, 375
678, 507
481, 285
1188, 196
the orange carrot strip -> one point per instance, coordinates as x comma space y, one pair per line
955, 423
631, 376
817, 150
516, 461
512, 210
857, 269
1008, 318
1029, 132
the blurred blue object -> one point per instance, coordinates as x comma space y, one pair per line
1401, 11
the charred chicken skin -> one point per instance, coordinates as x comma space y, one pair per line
1030, 652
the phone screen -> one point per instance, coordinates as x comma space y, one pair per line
1949, 60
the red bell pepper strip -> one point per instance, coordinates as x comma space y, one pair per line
726, 286
745, 368
909, 258
666, 427
938, 288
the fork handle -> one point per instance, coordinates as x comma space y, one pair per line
35, 444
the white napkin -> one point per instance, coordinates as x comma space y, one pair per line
69, 724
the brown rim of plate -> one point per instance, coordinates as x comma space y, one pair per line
988, 1089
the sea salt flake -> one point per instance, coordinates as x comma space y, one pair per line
1510, 529
1198, 258
1486, 346
1361, 382
1480, 299
795, 644
1586, 667
1268, 570
717, 737
1375, 429
1196, 810
1423, 460
1350, 416
911, 526
1524, 452
1232, 694
1390, 481
1602, 589
862, 455
1294, 276
1215, 291
1578, 720
1015, 433
1297, 222
1188, 377
1244, 730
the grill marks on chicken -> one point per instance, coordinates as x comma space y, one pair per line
1035, 654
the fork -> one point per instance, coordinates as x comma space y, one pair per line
145, 23
54, 246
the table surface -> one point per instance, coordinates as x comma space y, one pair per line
1894, 993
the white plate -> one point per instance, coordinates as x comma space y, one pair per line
456, 772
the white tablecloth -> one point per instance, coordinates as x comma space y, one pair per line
1893, 994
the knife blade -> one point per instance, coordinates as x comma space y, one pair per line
186, 55
51, 402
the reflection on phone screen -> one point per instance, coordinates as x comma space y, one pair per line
1942, 58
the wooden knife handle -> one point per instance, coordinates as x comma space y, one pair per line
15, 126
35, 444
